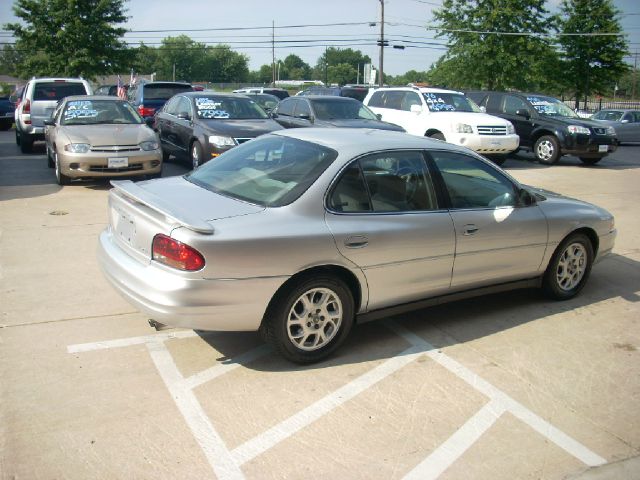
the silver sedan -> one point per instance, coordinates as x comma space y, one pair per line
625, 122
304, 232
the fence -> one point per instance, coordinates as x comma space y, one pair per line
593, 105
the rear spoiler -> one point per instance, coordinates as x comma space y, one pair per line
172, 212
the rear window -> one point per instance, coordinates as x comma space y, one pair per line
270, 171
164, 91
57, 90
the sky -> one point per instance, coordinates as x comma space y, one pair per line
305, 28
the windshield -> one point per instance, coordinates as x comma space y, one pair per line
228, 108
611, 115
449, 102
268, 171
551, 107
93, 112
341, 110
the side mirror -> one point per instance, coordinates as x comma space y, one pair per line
184, 116
483, 109
523, 113
149, 121
305, 116
50, 122
273, 114
526, 198
624, 121
379, 116
416, 108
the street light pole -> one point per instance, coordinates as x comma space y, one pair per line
380, 73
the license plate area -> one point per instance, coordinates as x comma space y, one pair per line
124, 227
117, 162
603, 148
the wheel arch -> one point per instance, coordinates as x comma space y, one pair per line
344, 274
591, 235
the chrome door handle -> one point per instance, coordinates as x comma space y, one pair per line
357, 241
470, 229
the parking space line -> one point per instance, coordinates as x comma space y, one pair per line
127, 342
458, 443
217, 370
285, 429
564, 441
199, 423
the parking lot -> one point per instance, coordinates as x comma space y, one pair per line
508, 386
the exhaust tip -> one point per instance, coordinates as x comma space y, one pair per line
157, 325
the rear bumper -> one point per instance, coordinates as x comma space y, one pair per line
183, 299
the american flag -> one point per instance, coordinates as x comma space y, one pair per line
121, 92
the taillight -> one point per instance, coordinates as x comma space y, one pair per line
27, 106
146, 111
176, 254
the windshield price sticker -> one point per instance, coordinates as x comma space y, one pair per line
437, 104
209, 108
80, 109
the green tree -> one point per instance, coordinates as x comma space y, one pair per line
69, 37
294, 68
10, 58
222, 64
181, 55
592, 62
263, 75
334, 57
487, 48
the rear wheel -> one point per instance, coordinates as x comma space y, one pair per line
547, 149
569, 267
310, 320
196, 154
26, 143
590, 161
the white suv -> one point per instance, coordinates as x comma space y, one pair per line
39, 99
446, 115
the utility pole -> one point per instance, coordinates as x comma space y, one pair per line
273, 53
380, 80
635, 72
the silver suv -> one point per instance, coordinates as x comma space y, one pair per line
38, 101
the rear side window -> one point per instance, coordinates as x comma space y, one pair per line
55, 91
164, 91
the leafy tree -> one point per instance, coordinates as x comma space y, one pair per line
335, 57
294, 68
69, 37
10, 58
592, 63
222, 64
341, 74
263, 75
487, 48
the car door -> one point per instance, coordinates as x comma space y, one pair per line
183, 125
628, 130
164, 126
498, 238
523, 124
385, 218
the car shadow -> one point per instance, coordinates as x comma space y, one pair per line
625, 158
449, 324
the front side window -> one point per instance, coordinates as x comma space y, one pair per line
93, 112
270, 171
285, 107
472, 183
302, 108
513, 104
171, 107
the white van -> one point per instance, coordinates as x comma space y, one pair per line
446, 115
39, 99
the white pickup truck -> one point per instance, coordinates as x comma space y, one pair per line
446, 115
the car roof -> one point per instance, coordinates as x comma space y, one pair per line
358, 141
72, 98
329, 98
57, 79
211, 93
421, 89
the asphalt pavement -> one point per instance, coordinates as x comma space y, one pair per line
508, 386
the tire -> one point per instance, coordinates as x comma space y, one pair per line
61, 178
306, 335
17, 137
50, 161
590, 161
196, 154
547, 150
165, 155
26, 143
569, 268
438, 136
